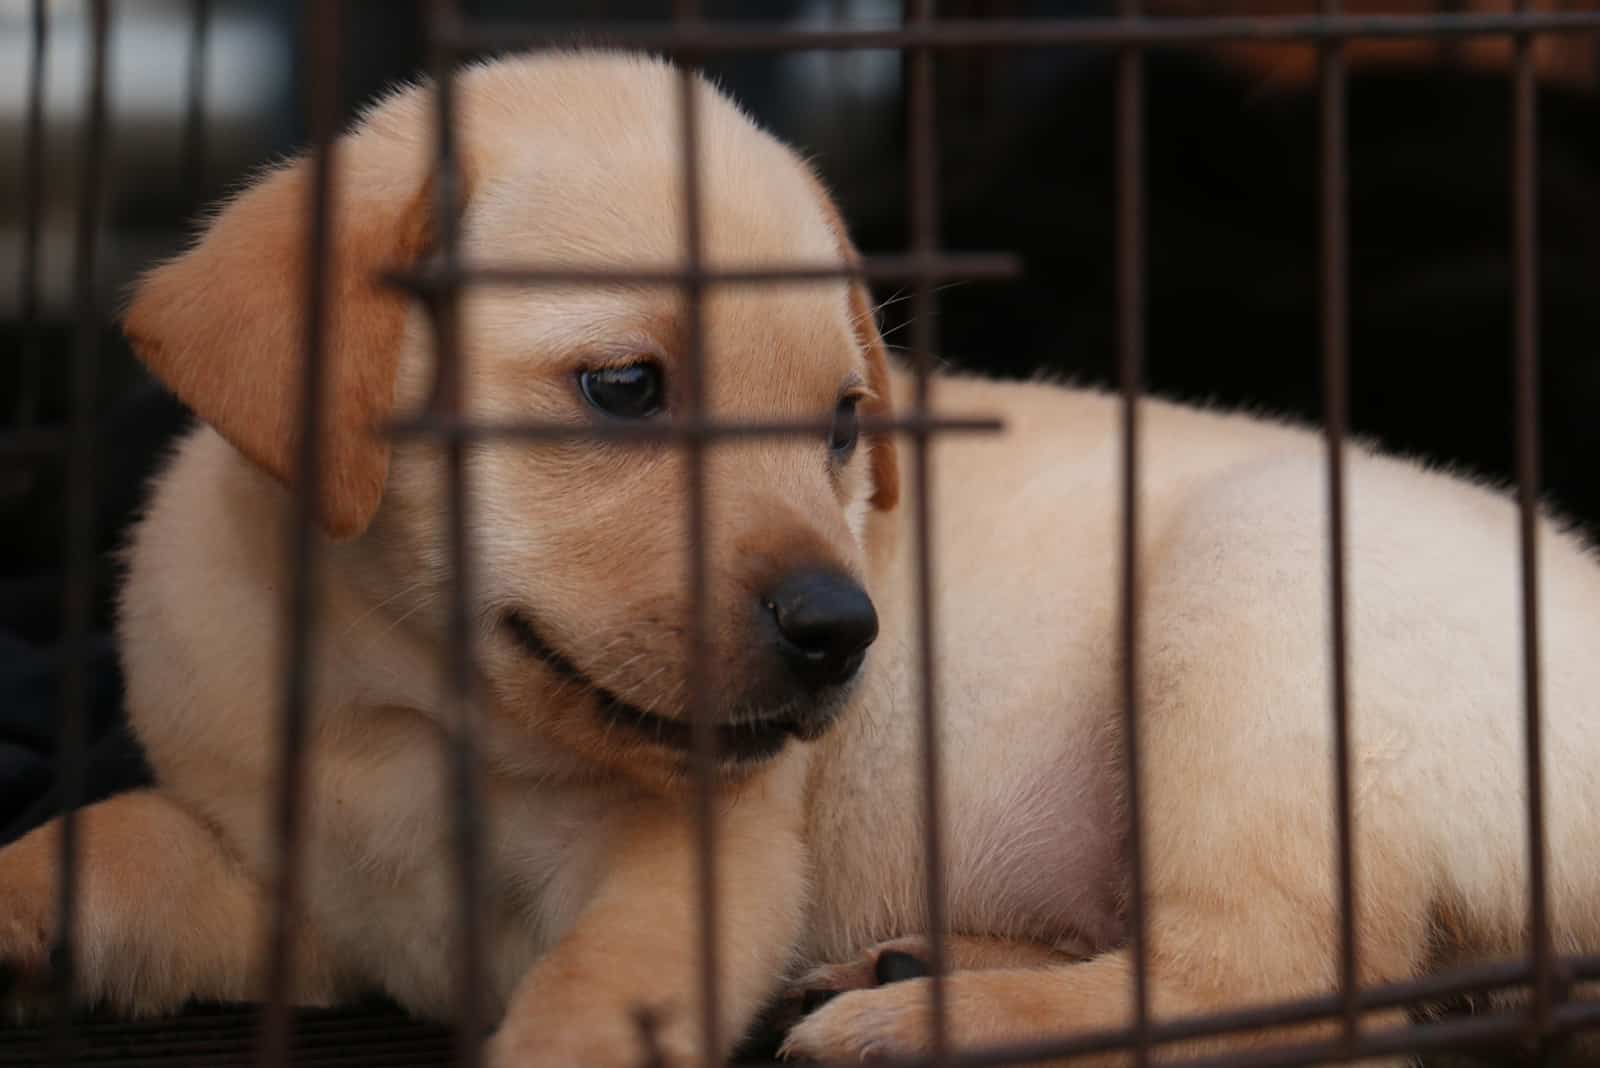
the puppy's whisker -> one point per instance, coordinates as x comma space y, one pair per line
371, 610
900, 297
425, 602
871, 313
380, 634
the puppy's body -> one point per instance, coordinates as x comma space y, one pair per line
580, 553
1237, 770
1233, 630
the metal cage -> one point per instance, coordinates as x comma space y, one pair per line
923, 38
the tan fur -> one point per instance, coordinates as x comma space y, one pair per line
1236, 743
590, 891
149, 869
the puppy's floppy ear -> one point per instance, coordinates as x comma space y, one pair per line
882, 453
223, 324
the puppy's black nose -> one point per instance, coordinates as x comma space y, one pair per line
827, 622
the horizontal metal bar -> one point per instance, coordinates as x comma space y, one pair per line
436, 278
712, 36
1408, 1038
445, 427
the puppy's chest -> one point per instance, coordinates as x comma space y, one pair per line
390, 884
1032, 837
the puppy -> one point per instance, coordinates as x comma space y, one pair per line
581, 597
581, 610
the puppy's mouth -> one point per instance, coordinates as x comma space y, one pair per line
747, 740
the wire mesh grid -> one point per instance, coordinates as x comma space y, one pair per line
922, 37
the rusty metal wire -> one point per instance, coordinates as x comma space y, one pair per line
30, 358
937, 266
922, 36
702, 722
448, 401
195, 155
1524, 239
964, 34
323, 26
1335, 390
1130, 372
922, 173
78, 588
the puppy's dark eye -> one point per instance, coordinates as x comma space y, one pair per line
632, 391
842, 441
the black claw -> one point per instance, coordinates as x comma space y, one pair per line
9, 976
812, 1000
894, 966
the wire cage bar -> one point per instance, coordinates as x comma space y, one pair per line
923, 37
1335, 375
79, 446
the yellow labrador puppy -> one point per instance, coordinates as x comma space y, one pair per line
582, 610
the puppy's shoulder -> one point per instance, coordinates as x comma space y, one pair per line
197, 613
206, 506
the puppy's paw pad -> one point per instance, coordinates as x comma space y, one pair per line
897, 965
885, 963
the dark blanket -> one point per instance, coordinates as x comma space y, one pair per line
133, 432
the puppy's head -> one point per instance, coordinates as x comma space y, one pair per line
581, 549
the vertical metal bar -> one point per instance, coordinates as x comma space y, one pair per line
1130, 363
194, 119
450, 401
922, 163
1525, 315
1335, 378
1451, 50
697, 373
322, 101
80, 563
31, 364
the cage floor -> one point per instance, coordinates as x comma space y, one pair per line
377, 1033
381, 1034
225, 1037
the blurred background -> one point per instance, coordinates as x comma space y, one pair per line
1026, 166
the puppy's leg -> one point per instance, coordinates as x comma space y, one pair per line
1201, 963
1241, 904
635, 948
164, 914
900, 959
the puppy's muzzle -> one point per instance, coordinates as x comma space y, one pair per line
824, 621
810, 640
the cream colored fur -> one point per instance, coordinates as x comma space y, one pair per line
590, 892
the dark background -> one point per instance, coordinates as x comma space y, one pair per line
1026, 143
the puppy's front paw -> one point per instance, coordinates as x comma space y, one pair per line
27, 925
895, 1019
887, 962
863, 1025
